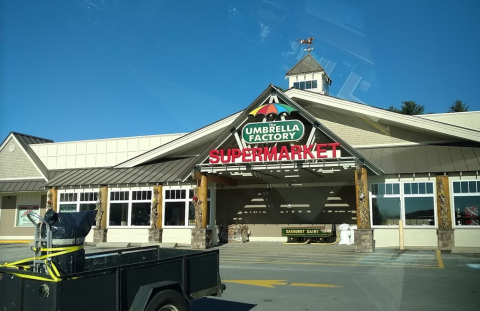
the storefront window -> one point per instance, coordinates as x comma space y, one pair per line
180, 209
118, 214
419, 204
78, 202
175, 213
130, 208
23, 210
466, 202
385, 204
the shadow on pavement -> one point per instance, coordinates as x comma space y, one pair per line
208, 304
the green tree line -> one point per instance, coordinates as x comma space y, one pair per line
411, 108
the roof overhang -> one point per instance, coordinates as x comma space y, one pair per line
378, 114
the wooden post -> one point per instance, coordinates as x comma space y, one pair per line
54, 192
104, 202
400, 234
361, 194
202, 197
159, 223
443, 203
445, 233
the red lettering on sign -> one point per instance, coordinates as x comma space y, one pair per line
284, 153
246, 152
320, 151
214, 156
256, 153
236, 153
222, 156
307, 151
270, 155
296, 151
334, 148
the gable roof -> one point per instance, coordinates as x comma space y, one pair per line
306, 65
425, 159
25, 141
379, 114
243, 116
199, 136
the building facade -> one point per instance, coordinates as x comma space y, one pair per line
292, 158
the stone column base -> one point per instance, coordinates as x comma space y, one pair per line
364, 242
99, 235
446, 239
155, 235
201, 238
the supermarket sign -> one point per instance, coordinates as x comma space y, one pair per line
275, 154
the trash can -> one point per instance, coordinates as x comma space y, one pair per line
69, 229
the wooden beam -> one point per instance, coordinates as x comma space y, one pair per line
104, 203
159, 222
203, 198
54, 192
361, 195
217, 179
443, 202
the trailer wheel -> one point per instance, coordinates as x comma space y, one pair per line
167, 300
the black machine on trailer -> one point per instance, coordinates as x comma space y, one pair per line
132, 279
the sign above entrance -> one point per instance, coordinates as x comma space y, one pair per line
273, 132
276, 154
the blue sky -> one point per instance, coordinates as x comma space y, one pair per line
91, 69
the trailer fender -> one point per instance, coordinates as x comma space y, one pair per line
146, 293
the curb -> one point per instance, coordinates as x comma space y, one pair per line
15, 241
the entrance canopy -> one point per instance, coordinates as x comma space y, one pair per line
293, 173
275, 141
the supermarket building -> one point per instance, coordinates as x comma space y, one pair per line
291, 158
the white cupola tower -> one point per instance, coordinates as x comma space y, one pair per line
308, 75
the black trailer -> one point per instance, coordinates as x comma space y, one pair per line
133, 279
62, 278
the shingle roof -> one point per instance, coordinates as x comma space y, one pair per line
307, 65
170, 170
424, 159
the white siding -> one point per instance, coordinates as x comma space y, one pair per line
308, 77
464, 119
420, 237
177, 235
386, 237
97, 153
132, 235
467, 237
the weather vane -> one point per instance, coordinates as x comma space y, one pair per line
307, 42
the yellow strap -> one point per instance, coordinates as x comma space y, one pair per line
61, 251
55, 275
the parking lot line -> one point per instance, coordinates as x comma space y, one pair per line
386, 265
439, 259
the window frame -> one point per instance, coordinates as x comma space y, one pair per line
187, 201
77, 202
129, 202
296, 84
402, 197
426, 195
371, 196
461, 194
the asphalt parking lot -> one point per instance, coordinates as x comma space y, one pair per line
273, 276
